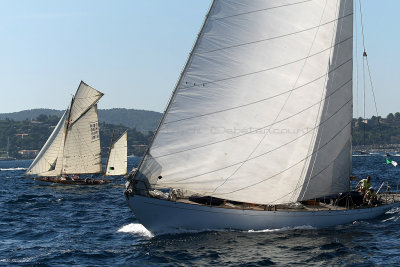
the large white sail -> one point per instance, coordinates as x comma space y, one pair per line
262, 112
49, 160
85, 97
82, 145
117, 159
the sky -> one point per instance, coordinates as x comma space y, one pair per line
134, 51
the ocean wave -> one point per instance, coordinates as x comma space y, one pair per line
304, 227
13, 169
136, 228
394, 219
394, 210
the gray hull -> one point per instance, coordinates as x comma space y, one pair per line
163, 216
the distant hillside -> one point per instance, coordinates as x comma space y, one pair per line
30, 114
142, 120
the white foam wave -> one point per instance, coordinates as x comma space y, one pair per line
13, 169
358, 223
394, 210
394, 219
21, 260
139, 229
169, 231
136, 228
304, 227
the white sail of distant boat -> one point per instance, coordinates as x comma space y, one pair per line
74, 145
117, 157
261, 114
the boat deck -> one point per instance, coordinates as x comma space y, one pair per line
383, 199
72, 181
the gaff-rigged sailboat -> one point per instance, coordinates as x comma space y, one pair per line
73, 148
257, 133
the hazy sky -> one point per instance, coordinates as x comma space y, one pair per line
133, 51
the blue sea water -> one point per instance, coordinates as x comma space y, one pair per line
59, 225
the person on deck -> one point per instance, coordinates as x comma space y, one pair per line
364, 185
370, 197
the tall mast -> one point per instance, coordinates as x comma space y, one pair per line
66, 128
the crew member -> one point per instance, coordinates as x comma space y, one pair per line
370, 197
364, 185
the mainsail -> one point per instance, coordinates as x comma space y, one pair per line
261, 113
82, 145
117, 158
74, 145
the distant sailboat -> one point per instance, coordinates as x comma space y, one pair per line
73, 148
117, 157
257, 133
7, 157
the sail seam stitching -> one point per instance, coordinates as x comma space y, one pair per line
259, 182
311, 178
257, 128
328, 101
275, 37
282, 107
291, 141
261, 100
261, 10
268, 69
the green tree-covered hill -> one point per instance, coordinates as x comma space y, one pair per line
141, 120
377, 130
23, 131
17, 136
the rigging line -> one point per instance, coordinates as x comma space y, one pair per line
268, 69
282, 107
273, 38
270, 177
272, 150
356, 51
261, 10
362, 25
373, 94
364, 123
335, 58
370, 78
261, 100
364, 53
257, 129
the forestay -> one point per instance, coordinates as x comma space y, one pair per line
262, 112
